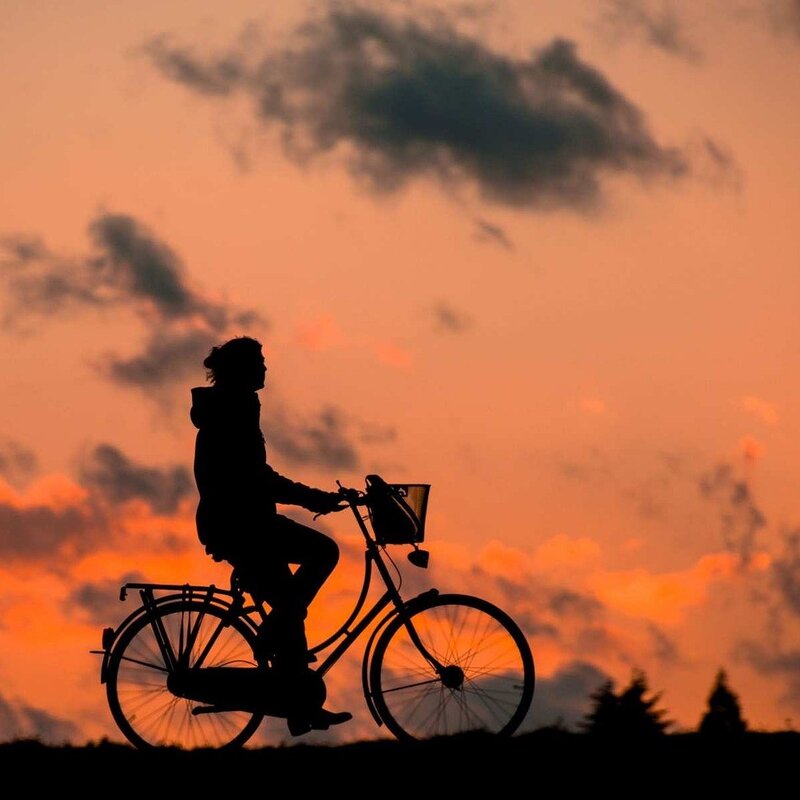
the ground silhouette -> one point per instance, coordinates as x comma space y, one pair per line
570, 764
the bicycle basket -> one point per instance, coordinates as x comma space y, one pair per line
397, 510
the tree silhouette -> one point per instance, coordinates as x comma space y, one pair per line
603, 716
723, 716
631, 714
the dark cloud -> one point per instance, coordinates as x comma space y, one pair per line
139, 265
568, 603
371, 433
17, 462
165, 355
785, 572
129, 267
655, 22
20, 249
564, 698
216, 76
119, 479
785, 664
449, 319
323, 440
486, 231
665, 648
785, 16
57, 534
740, 517
99, 600
714, 163
20, 721
405, 98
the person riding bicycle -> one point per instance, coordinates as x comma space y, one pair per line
237, 518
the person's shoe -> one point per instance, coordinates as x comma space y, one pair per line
321, 721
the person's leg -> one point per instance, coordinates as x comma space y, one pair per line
290, 593
264, 572
314, 553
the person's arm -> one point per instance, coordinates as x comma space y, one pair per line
290, 492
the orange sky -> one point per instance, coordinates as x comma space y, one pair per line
542, 256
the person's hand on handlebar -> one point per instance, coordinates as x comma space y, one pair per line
348, 495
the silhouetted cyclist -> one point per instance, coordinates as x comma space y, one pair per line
237, 518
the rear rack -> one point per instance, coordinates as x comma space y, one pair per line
175, 587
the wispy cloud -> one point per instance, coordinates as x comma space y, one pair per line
17, 462
99, 600
450, 319
657, 23
18, 720
758, 407
407, 98
785, 16
129, 266
53, 520
323, 440
486, 231
563, 699
741, 519
120, 479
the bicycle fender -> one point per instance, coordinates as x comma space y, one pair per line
366, 662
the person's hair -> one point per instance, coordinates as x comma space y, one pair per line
226, 361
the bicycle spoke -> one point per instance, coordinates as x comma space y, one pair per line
491, 688
192, 633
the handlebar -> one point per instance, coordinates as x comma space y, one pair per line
352, 496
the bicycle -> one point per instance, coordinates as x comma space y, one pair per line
187, 668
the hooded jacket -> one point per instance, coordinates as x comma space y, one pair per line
238, 489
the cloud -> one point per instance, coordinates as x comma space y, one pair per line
571, 603
19, 720
129, 267
486, 231
17, 462
758, 407
450, 319
402, 98
665, 647
785, 16
54, 521
783, 663
564, 698
323, 440
119, 479
740, 517
785, 572
654, 22
99, 600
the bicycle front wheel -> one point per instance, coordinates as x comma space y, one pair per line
139, 697
482, 680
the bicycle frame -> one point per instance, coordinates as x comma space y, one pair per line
232, 602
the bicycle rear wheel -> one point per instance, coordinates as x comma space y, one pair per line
488, 678
144, 708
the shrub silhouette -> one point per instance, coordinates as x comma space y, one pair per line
723, 717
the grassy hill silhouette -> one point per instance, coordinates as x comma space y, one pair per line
471, 765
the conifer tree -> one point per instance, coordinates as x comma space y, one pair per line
631, 714
602, 718
723, 717
638, 712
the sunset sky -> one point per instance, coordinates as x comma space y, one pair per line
540, 255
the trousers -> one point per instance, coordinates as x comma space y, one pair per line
263, 565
